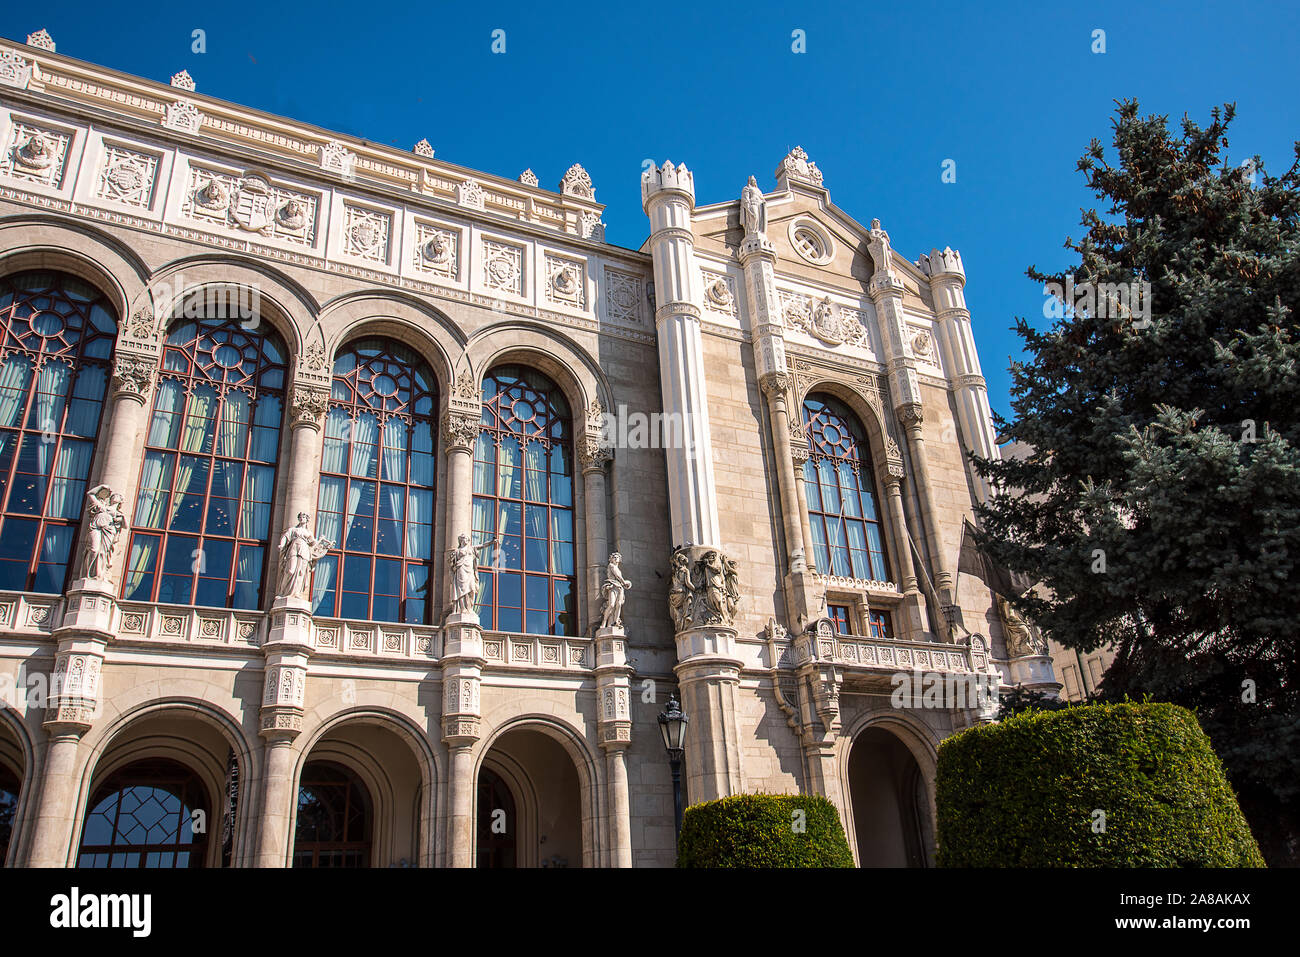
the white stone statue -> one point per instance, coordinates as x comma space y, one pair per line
612, 593
104, 507
463, 562
681, 593
300, 550
753, 209
1021, 640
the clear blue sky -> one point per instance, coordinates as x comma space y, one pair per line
882, 96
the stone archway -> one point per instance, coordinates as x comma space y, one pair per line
529, 771
890, 802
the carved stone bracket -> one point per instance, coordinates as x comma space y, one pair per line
774, 384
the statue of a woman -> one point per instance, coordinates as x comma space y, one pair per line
681, 592
104, 507
300, 550
715, 585
463, 562
612, 592
753, 209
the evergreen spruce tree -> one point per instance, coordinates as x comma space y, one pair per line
1160, 507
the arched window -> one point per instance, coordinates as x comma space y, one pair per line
841, 493
203, 512
57, 339
143, 815
523, 495
376, 486
334, 818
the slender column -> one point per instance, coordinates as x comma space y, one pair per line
961, 362
277, 800
914, 623
460, 431
705, 592
460, 800
307, 419
620, 826
592, 458
56, 807
887, 294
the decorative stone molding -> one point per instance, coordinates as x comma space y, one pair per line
939, 263
142, 325
183, 81
668, 178
593, 455
591, 227
314, 358
911, 414
822, 319
460, 430
800, 450
774, 384
423, 148
528, 178
337, 158
503, 267
436, 250
704, 588
797, 168
41, 39
566, 282
719, 293
576, 182
135, 374
184, 116
366, 232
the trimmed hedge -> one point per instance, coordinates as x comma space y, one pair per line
756, 830
1023, 793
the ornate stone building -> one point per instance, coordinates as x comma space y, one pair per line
314, 454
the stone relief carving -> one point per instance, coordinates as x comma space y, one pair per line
824, 320
183, 81
1023, 640
528, 178
36, 155
366, 232
336, 157
566, 282
104, 524
470, 194
310, 405
252, 204
704, 588
42, 40
718, 293
460, 429
423, 148
184, 116
135, 373
300, 550
127, 176
612, 593
503, 267
622, 296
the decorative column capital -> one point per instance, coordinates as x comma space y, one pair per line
135, 375
593, 454
74, 699
774, 384
679, 308
911, 414
460, 431
308, 407
799, 447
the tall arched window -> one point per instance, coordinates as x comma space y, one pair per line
376, 486
143, 816
57, 339
523, 495
203, 512
334, 818
841, 493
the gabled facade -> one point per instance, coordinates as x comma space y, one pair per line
219, 321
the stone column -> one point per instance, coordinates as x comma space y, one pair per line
708, 667
613, 691
905, 391
307, 419
459, 433
287, 649
961, 362
592, 458
914, 623
462, 672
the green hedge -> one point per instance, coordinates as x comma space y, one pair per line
757, 830
1023, 793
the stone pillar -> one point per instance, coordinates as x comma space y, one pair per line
459, 433
288, 646
813, 653
307, 419
914, 623
613, 691
961, 362
462, 672
905, 391
73, 706
705, 591
592, 458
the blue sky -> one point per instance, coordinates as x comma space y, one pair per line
882, 96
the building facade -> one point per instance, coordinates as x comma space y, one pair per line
360, 509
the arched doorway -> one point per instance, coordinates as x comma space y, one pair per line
150, 813
498, 821
9, 788
529, 773
891, 807
335, 818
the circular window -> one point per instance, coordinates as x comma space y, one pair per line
811, 242
46, 324
226, 356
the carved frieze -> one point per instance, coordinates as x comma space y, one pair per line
436, 249
127, 176
622, 296
35, 154
251, 204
